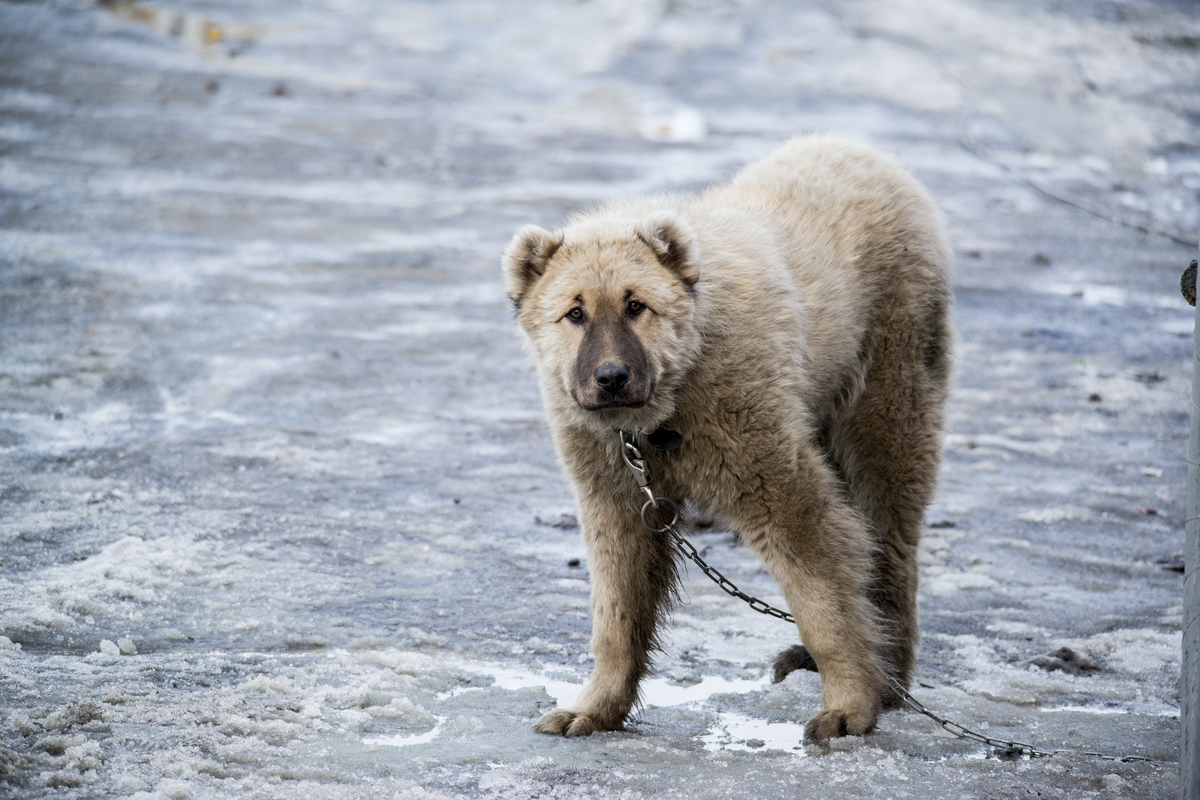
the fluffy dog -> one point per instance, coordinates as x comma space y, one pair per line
793, 326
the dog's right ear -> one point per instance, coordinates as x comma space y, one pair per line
525, 259
673, 244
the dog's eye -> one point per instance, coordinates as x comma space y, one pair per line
575, 314
635, 308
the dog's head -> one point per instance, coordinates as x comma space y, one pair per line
608, 306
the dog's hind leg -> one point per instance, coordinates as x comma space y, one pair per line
887, 446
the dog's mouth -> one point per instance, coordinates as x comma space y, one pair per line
628, 397
611, 403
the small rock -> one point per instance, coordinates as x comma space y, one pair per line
1011, 753
1187, 283
684, 677
943, 523
1113, 782
574, 562
72, 716
1041, 259
303, 642
1094, 398
1171, 563
1064, 659
755, 744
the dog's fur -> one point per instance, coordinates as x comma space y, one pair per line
793, 325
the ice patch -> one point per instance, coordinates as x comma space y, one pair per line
401, 740
1138, 651
564, 693
740, 732
1016, 628
431, 325
127, 574
735, 729
401, 433
1181, 326
104, 426
942, 581
1066, 513
1084, 710
1148, 657
660, 692
978, 442
23, 100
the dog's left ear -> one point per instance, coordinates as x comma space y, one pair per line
526, 257
673, 243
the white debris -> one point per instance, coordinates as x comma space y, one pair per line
675, 125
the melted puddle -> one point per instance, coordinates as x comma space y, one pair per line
656, 692
401, 740
739, 732
732, 731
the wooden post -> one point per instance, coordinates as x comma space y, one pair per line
1189, 681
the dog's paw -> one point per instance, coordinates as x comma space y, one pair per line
794, 658
834, 722
561, 722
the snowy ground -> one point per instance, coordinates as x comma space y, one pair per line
277, 506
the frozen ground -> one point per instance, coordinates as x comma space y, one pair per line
276, 486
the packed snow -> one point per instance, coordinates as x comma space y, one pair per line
280, 516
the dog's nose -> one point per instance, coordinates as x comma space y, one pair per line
611, 377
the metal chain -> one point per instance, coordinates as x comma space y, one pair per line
1007, 749
635, 462
688, 550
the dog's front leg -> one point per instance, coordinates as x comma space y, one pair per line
632, 574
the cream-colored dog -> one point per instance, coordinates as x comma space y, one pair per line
793, 326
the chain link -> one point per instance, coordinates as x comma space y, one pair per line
688, 550
1006, 749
